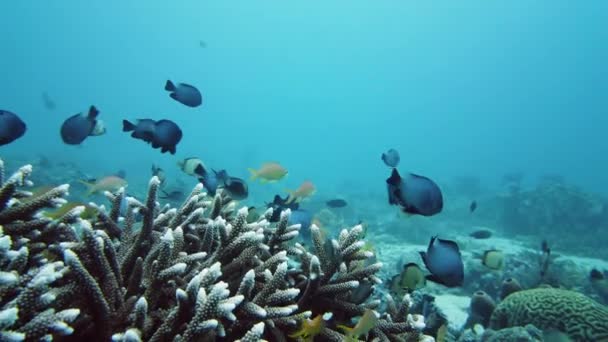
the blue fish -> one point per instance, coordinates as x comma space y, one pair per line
78, 127
442, 258
163, 134
11, 127
142, 129
415, 194
391, 158
278, 205
209, 180
184, 94
236, 188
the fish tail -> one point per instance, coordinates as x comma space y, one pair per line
169, 86
127, 126
93, 112
291, 196
254, 174
346, 329
90, 187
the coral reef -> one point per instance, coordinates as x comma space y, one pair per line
196, 272
528, 333
547, 308
557, 207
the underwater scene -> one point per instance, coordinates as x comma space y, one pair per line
270, 170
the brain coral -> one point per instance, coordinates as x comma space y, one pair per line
571, 312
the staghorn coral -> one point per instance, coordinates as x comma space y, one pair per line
547, 308
197, 272
29, 282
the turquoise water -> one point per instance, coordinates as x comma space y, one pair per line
322, 87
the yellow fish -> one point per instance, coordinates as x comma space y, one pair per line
109, 183
88, 213
309, 329
493, 259
307, 189
269, 172
366, 323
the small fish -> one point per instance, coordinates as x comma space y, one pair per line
336, 203
78, 127
305, 190
442, 332
47, 101
415, 194
366, 323
88, 213
163, 134
391, 158
236, 188
269, 172
202, 44
11, 127
309, 329
278, 205
545, 259
109, 183
444, 261
481, 234
473, 206
167, 136
411, 278
142, 129
493, 259
212, 179
160, 173
193, 167
184, 93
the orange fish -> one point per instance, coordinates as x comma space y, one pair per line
109, 183
307, 189
269, 172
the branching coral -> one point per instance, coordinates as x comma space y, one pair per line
29, 281
197, 272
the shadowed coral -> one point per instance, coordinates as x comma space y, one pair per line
547, 308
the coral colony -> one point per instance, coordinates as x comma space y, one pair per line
197, 272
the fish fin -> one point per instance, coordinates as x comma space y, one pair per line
395, 178
263, 180
164, 149
254, 174
127, 126
169, 86
434, 279
93, 112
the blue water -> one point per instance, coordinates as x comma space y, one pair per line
323, 87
